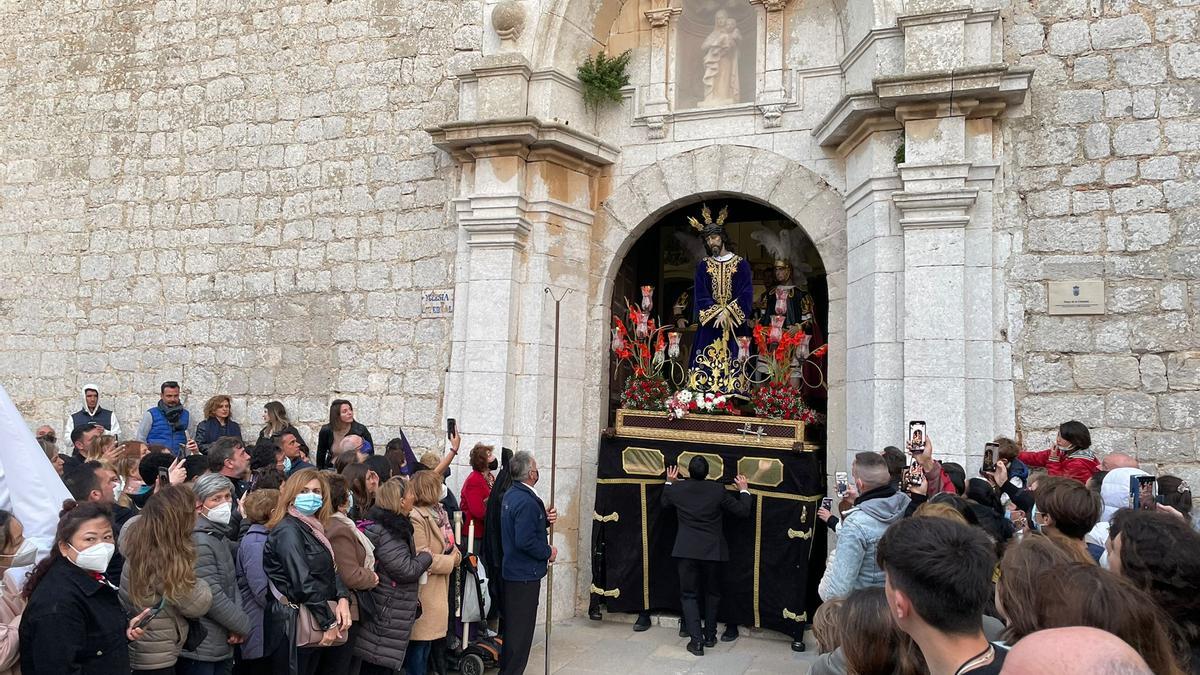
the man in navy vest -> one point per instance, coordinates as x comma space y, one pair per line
167, 423
92, 413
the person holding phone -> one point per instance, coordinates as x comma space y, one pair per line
1070, 456
73, 620
160, 574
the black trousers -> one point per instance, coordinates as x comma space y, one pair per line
520, 619
700, 578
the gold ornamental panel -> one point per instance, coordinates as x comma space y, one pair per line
716, 465
643, 461
761, 471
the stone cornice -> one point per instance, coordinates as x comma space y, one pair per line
990, 89
460, 137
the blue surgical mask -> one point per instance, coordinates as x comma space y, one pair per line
144, 489
308, 503
287, 464
367, 448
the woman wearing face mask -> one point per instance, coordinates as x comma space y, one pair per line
475, 492
160, 573
354, 556
298, 559
226, 623
383, 638
429, 534
73, 622
15, 552
134, 493
358, 481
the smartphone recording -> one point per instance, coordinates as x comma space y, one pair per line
1143, 492
916, 436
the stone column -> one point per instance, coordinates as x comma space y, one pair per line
771, 94
525, 213
657, 107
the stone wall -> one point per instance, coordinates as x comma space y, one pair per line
238, 195
1104, 183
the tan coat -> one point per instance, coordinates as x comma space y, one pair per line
435, 594
11, 606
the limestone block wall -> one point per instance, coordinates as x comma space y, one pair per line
238, 195
1103, 182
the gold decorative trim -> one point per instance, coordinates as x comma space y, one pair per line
613, 517
716, 464
780, 495
757, 558
766, 471
630, 481
643, 461
645, 553
790, 615
733, 438
797, 534
614, 593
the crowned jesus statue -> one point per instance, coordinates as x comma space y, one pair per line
724, 296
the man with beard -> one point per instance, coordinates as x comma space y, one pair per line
167, 423
724, 295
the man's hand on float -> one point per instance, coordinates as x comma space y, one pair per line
672, 473
741, 482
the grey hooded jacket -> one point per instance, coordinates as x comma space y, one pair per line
852, 564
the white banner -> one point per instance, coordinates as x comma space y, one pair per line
29, 486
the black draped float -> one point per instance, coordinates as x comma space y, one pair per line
777, 554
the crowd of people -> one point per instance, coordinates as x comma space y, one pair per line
185, 550
1046, 562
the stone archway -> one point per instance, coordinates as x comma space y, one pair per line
637, 202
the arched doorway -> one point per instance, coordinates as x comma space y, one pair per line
664, 259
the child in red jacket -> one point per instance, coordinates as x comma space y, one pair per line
1070, 456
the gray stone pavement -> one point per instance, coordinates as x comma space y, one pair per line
610, 646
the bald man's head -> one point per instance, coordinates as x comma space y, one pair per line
1118, 460
1073, 651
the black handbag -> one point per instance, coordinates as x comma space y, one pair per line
196, 634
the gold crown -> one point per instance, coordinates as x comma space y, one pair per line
706, 213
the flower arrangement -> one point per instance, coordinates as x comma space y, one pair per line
686, 401
781, 401
635, 349
644, 393
777, 361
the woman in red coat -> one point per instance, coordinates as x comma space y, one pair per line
475, 492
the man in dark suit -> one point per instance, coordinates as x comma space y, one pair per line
700, 545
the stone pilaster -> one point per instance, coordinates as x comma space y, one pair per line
657, 108
772, 95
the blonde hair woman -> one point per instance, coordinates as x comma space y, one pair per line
217, 423
298, 559
160, 573
428, 535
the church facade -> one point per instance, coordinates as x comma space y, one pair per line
384, 198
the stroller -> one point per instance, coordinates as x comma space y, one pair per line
470, 648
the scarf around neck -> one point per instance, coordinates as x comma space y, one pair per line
314, 526
172, 413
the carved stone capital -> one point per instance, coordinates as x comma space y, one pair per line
656, 127
772, 5
661, 18
771, 114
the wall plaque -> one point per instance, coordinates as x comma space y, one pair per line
438, 302
1076, 297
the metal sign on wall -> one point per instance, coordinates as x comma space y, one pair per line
1076, 297
437, 302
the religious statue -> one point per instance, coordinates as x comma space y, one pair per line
787, 306
724, 294
721, 86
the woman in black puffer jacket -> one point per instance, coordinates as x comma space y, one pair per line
387, 616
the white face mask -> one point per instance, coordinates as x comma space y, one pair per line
94, 558
26, 555
221, 514
118, 489
445, 491
350, 502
